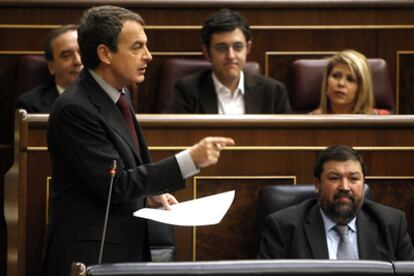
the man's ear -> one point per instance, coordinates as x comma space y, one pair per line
248, 46
206, 51
317, 184
51, 67
104, 54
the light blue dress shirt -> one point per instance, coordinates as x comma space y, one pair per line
332, 238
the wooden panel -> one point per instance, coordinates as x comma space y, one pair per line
6, 157
397, 192
37, 172
189, 11
237, 229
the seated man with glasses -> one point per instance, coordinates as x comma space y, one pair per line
226, 88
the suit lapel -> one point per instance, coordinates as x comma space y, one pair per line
208, 96
108, 110
253, 98
144, 157
315, 233
49, 97
367, 237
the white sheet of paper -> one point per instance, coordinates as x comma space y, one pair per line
202, 211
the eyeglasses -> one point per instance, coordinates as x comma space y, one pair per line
223, 48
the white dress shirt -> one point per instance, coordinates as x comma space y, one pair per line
230, 102
59, 89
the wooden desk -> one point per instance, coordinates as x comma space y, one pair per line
270, 150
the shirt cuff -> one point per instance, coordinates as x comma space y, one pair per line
187, 166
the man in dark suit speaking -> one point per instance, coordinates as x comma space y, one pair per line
340, 224
90, 126
227, 88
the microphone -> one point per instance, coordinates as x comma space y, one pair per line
112, 172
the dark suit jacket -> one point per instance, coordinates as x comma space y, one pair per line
195, 94
39, 99
86, 132
298, 232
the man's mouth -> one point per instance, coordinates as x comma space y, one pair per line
231, 64
345, 198
75, 72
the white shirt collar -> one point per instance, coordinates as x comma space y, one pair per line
220, 88
329, 224
59, 89
113, 93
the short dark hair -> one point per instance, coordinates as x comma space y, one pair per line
50, 38
224, 20
102, 25
337, 153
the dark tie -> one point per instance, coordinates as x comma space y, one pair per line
126, 112
346, 249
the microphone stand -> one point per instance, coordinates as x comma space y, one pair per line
108, 203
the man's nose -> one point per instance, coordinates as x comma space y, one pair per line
147, 55
344, 184
230, 52
77, 59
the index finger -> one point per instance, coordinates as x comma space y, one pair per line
171, 199
223, 141
165, 203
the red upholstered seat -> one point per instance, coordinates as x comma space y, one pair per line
31, 71
305, 80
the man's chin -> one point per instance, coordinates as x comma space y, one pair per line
139, 79
344, 208
233, 71
344, 211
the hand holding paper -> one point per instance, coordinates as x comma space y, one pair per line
203, 211
164, 201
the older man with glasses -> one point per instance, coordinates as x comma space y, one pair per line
226, 88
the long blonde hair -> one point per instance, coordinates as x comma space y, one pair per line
359, 66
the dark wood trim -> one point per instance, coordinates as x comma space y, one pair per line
306, 4
286, 121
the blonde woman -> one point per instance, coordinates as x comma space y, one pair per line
347, 86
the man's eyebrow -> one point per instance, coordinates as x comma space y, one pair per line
139, 42
65, 51
355, 172
332, 171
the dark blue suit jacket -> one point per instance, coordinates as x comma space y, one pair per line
298, 232
86, 132
39, 99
